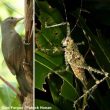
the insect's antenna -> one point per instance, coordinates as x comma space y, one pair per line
69, 33
77, 18
65, 11
67, 23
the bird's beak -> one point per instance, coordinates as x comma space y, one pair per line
19, 19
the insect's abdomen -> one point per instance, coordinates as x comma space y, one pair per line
75, 59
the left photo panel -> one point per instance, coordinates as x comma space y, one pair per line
16, 55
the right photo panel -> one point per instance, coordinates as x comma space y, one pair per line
72, 57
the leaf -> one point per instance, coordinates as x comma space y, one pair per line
55, 85
49, 37
68, 92
45, 65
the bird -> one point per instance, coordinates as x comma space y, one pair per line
14, 52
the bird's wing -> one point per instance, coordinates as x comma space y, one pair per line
18, 53
14, 53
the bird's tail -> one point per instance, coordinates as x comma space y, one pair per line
23, 84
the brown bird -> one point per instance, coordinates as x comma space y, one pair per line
14, 52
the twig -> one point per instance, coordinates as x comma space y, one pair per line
12, 87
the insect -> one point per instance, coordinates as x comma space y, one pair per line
73, 58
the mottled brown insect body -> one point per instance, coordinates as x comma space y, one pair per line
74, 59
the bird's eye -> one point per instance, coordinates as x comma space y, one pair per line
11, 17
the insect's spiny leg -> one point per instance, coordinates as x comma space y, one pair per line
91, 89
80, 43
60, 24
56, 25
93, 70
93, 76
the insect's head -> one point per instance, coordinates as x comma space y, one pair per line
67, 42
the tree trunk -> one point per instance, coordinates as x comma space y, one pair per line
28, 66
